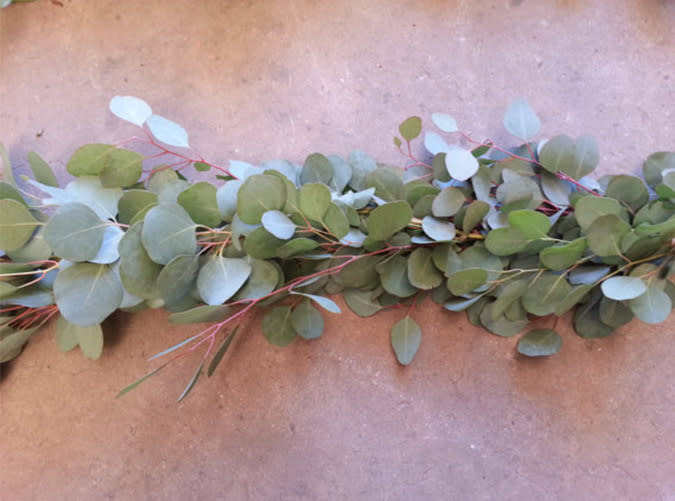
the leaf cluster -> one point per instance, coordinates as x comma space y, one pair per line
507, 235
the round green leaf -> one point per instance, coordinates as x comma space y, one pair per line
199, 200
448, 202
500, 325
655, 164
89, 160
258, 194
589, 208
295, 247
466, 281
138, 272
168, 231
505, 241
422, 273
545, 293
75, 232
621, 288
630, 190
605, 234
336, 221
121, 168
314, 200
177, 278
410, 128
317, 169
16, 225
278, 326
278, 224
394, 276
461, 164
221, 277
406, 337
652, 307
614, 313
561, 257
532, 224
520, 120
306, 320
361, 302
474, 214
261, 244
133, 202
539, 343
87, 293
388, 219
264, 278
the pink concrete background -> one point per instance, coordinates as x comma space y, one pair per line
338, 418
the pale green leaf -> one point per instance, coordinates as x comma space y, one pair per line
220, 278
540, 343
406, 337
75, 232
167, 132
306, 320
168, 231
278, 326
521, 121
16, 225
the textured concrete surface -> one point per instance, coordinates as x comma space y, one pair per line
337, 418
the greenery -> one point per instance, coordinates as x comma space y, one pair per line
507, 235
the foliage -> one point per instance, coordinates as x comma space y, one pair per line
507, 235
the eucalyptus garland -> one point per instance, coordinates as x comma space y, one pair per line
509, 235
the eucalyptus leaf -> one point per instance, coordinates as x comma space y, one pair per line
388, 219
177, 278
199, 200
317, 169
131, 109
167, 132
226, 198
422, 273
259, 194
314, 200
278, 224
361, 302
406, 337
278, 326
521, 121
466, 281
461, 164
410, 128
42, 172
539, 343
444, 122
652, 307
621, 288
306, 320
16, 225
438, 230
394, 276
75, 232
87, 293
220, 278
168, 231
137, 271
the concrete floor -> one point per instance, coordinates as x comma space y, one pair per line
338, 418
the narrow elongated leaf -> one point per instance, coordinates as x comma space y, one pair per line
202, 314
11, 344
192, 383
406, 337
218, 357
521, 121
173, 348
540, 343
135, 384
